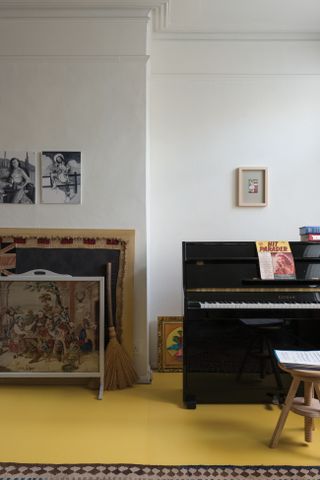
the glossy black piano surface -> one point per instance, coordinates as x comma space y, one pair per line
233, 320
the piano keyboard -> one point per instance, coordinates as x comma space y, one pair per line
257, 305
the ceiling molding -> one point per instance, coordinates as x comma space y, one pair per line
78, 4
160, 17
235, 36
163, 29
75, 58
232, 75
79, 8
135, 10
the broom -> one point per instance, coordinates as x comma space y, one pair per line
119, 371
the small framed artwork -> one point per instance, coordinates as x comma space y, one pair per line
18, 177
61, 177
170, 344
252, 186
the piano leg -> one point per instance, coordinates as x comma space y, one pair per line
190, 402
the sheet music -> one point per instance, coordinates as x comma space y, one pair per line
303, 358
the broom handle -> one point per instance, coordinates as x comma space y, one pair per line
112, 331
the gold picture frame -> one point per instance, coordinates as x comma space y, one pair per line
252, 186
170, 340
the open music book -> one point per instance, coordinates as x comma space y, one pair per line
304, 359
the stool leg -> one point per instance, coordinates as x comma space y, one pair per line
308, 421
285, 410
313, 392
317, 390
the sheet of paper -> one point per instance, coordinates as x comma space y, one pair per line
311, 357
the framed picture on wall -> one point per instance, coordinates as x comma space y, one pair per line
17, 177
252, 186
61, 177
170, 339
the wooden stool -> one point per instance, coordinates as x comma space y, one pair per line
307, 406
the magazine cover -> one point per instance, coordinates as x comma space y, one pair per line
275, 260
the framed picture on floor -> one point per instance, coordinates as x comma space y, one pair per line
52, 326
252, 186
170, 344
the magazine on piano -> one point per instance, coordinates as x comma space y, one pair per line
304, 359
275, 260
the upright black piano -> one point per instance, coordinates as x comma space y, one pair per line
233, 320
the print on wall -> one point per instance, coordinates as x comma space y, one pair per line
61, 177
252, 186
17, 177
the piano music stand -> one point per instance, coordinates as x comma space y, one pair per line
307, 406
261, 347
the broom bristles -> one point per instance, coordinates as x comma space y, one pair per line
119, 371
118, 366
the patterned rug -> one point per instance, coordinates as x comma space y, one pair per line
19, 471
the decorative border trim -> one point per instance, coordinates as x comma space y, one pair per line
156, 472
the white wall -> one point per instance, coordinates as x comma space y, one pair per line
80, 84
215, 106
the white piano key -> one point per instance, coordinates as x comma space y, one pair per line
264, 306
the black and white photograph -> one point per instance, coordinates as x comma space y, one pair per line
61, 177
17, 177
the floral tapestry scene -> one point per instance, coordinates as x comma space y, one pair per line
49, 326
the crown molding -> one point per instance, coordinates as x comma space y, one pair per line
75, 58
231, 75
78, 4
164, 30
79, 8
166, 35
160, 17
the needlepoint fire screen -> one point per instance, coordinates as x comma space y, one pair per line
52, 326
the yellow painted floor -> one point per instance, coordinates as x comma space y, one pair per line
144, 424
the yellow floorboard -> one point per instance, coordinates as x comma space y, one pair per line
144, 424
